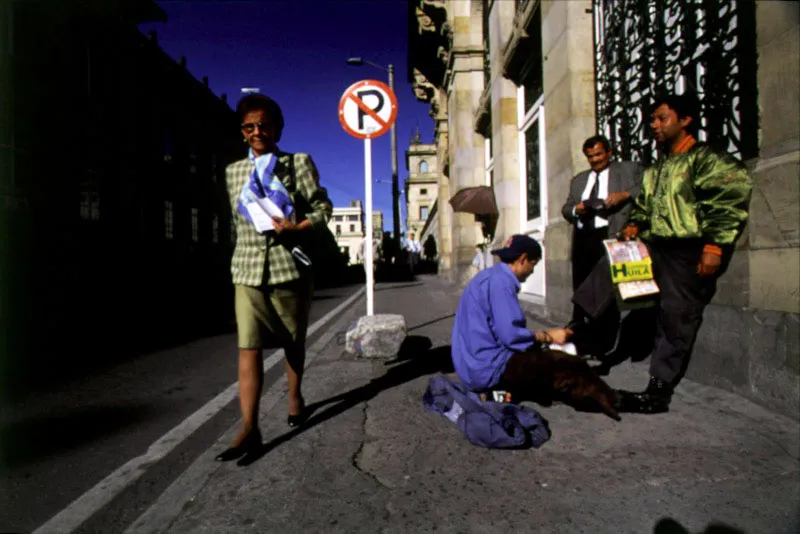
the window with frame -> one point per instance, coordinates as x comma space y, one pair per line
352, 217
169, 220
423, 166
533, 77
338, 218
193, 158
352, 228
489, 158
168, 146
423, 192
195, 225
423, 213
533, 171
338, 229
90, 196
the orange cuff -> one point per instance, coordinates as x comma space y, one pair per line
712, 249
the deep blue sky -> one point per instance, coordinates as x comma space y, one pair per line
295, 52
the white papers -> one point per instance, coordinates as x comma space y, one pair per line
261, 213
641, 288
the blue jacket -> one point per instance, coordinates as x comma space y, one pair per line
486, 424
489, 327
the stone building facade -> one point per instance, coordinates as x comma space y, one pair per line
515, 88
137, 199
347, 226
421, 187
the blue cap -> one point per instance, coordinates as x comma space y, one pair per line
519, 244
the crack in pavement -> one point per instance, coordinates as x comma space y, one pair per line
356, 458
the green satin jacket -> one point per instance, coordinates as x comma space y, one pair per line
701, 194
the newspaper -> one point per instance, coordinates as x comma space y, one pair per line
631, 268
261, 213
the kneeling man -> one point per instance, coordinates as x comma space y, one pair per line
492, 348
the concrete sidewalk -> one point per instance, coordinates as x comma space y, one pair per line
372, 459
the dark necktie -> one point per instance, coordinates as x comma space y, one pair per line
595, 188
588, 222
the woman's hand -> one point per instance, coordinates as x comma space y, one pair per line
283, 225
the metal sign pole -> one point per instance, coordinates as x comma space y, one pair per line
368, 245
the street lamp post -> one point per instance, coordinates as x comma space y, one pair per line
395, 187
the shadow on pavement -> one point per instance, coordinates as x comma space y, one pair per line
444, 317
398, 286
33, 438
416, 358
670, 526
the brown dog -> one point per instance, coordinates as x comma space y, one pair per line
544, 375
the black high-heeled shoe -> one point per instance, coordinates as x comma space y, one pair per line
249, 444
298, 419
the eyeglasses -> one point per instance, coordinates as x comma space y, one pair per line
249, 127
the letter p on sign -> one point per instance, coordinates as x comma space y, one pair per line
367, 109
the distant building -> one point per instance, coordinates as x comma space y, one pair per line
422, 185
347, 226
121, 219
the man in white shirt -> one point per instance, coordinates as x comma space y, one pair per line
414, 248
361, 255
598, 207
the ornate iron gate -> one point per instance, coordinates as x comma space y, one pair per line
704, 46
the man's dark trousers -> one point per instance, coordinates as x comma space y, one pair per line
684, 295
587, 249
597, 336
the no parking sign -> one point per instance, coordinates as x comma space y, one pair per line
368, 109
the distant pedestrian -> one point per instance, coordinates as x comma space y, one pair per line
273, 287
479, 261
376, 253
413, 250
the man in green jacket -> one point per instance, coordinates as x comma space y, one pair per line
692, 207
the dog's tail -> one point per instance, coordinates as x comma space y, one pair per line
607, 399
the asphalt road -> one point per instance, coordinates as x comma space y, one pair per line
57, 444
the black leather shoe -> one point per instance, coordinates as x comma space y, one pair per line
655, 399
249, 444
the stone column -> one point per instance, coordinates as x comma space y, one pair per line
567, 52
464, 83
444, 213
505, 131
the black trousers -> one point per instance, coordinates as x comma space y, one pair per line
684, 295
592, 335
587, 250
